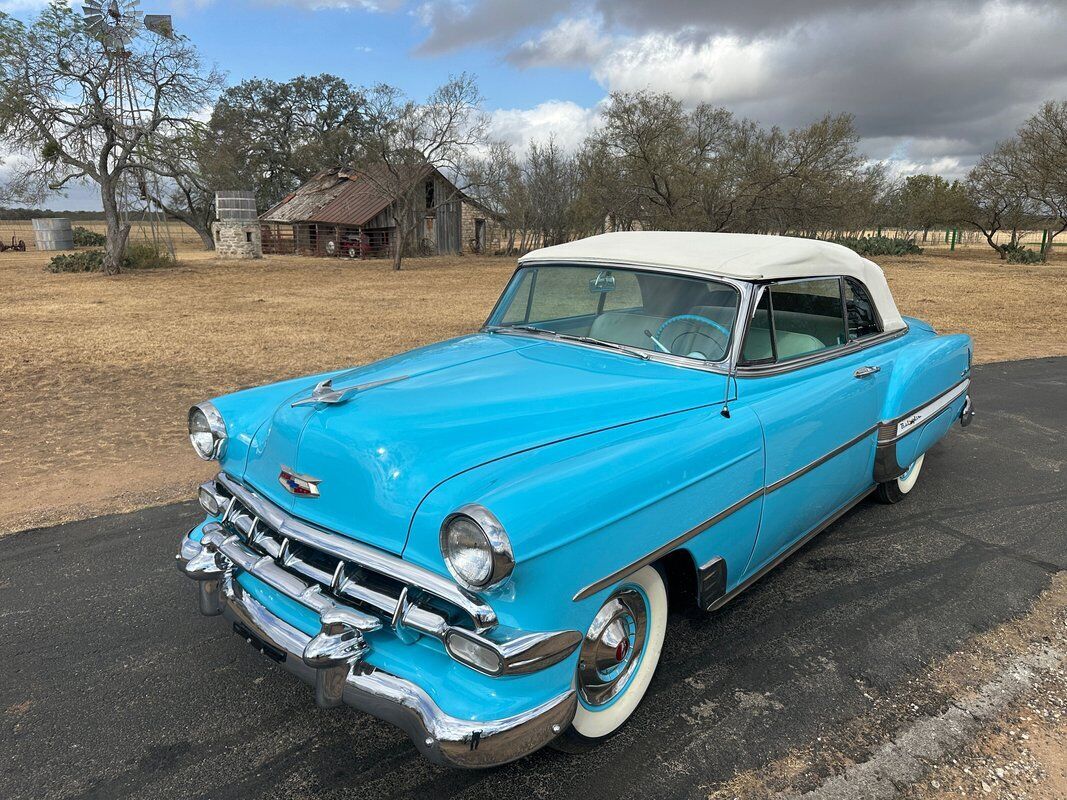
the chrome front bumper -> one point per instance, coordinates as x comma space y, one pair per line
331, 662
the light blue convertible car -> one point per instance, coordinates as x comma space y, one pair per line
475, 540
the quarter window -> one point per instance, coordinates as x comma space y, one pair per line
862, 319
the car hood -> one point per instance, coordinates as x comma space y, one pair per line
460, 404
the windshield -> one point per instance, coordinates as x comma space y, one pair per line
640, 311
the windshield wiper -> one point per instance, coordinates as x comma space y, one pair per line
630, 351
523, 328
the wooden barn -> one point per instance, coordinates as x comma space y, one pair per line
342, 213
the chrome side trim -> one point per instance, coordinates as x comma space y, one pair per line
886, 466
350, 550
895, 429
443, 738
826, 523
792, 476
659, 552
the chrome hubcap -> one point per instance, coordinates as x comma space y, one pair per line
612, 647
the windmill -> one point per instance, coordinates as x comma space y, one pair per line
116, 23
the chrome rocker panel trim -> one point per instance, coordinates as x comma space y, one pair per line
440, 737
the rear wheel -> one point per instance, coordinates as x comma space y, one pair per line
897, 489
619, 655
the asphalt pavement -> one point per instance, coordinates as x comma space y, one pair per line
113, 686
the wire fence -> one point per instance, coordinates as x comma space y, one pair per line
957, 237
184, 237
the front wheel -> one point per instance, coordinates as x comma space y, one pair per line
897, 489
619, 655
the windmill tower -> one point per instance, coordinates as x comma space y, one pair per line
116, 23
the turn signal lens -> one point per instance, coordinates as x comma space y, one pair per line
473, 653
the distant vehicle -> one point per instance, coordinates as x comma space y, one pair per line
474, 540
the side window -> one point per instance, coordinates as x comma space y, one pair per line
862, 319
807, 316
796, 318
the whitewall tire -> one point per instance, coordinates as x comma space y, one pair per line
618, 657
897, 489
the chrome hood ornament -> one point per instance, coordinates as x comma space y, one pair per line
325, 393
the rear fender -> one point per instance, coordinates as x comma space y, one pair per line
928, 371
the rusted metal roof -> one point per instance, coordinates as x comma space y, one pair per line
333, 197
301, 205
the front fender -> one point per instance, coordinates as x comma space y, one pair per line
245, 411
579, 510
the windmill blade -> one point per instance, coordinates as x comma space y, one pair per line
160, 24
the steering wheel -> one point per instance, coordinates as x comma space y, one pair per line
696, 318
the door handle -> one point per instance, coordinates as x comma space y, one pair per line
863, 372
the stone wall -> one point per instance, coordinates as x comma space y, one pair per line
238, 238
468, 222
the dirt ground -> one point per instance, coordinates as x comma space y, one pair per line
98, 372
1021, 754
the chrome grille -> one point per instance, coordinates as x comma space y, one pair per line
404, 605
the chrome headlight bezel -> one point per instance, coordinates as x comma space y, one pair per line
216, 426
497, 544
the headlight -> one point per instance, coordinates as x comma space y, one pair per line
207, 431
475, 547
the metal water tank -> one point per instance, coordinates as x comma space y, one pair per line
53, 234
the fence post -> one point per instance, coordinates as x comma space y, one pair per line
879, 231
1044, 239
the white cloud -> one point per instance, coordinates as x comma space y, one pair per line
722, 69
567, 122
571, 43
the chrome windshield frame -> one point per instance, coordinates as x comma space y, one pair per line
723, 366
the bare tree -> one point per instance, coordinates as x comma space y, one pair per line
58, 84
175, 180
409, 142
994, 201
1037, 162
552, 187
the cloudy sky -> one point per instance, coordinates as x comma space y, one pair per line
932, 84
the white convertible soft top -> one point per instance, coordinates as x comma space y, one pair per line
744, 256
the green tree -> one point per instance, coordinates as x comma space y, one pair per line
926, 201
270, 137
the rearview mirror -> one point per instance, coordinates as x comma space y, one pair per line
603, 282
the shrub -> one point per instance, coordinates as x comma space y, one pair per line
140, 255
879, 245
145, 255
83, 237
85, 261
1021, 255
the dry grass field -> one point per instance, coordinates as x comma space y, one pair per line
98, 372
